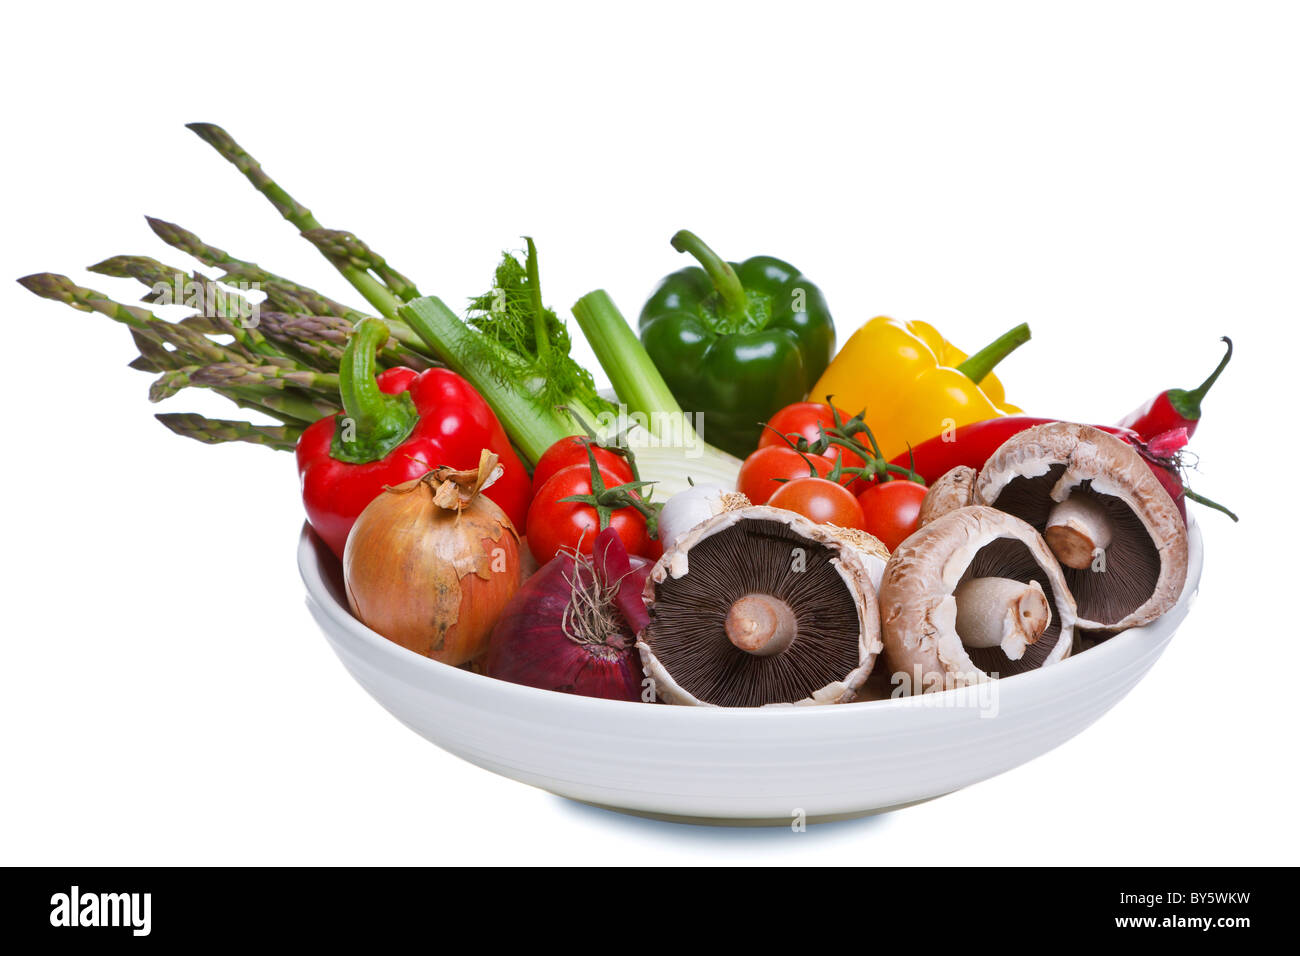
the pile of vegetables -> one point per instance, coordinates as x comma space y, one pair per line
492, 509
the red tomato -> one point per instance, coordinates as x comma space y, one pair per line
890, 510
820, 500
763, 471
554, 524
573, 451
806, 420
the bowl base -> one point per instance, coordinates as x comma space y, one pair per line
755, 821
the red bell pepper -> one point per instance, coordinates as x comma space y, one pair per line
393, 428
1175, 408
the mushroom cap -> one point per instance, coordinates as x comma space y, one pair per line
1110, 467
918, 612
954, 489
859, 558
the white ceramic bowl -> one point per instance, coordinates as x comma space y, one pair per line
743, 766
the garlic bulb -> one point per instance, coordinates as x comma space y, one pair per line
697, 504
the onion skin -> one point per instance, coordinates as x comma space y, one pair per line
528, 645
429, 577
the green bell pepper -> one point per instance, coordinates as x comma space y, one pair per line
736, 342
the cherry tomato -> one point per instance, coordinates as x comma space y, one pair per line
573, 451
820, 500
890, 510
763, 471
554, 524
806, 420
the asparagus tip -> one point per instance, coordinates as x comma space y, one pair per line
208, 132
48, 285
116, 266
164, 230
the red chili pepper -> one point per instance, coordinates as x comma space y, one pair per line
973, 444
396, 427
1175, 408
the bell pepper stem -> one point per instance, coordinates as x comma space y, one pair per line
1188, 403
372, 423
735, 303
978, 366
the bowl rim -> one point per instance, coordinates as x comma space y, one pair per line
311, 556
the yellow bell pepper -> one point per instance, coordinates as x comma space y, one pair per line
914, 383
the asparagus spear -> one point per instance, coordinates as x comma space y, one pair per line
288, 407
378, 293
153, 357
214, 431
241, 375
344, 251
230, 309
321, 338
295, 297
191, 344
285, 295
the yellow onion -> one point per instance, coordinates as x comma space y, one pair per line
431, 563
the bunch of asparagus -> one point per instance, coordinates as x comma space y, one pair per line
284, 364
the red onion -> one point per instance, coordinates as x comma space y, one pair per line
565, 629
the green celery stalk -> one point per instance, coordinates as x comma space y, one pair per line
676, 456
532, 425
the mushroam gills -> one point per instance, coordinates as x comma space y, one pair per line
761, 606
1118, 535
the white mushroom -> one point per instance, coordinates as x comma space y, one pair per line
973, 595
954, 489
1104, 514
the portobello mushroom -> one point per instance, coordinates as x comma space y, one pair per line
761, 606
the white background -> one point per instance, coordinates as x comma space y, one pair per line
1124, 177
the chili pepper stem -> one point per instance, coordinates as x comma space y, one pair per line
978, 366
735, 303
379, 422
1201, 499
1188, 403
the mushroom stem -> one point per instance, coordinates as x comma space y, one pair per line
1076, 529
1001, 612
760, 624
